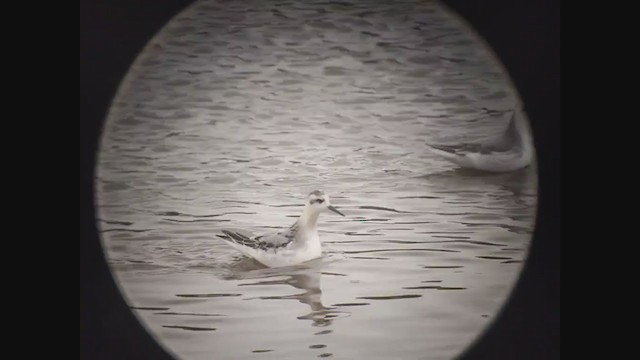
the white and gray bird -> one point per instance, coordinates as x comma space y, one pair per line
297, 244
508, 151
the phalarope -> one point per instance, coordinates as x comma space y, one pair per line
297, 244
509, 151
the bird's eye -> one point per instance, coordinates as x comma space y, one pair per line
319, 201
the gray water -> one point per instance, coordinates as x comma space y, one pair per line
238, 109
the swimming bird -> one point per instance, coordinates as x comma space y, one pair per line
297, 244
509, 151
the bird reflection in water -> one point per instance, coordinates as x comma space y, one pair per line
303, 277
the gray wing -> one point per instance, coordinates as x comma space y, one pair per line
277, 240
263, 242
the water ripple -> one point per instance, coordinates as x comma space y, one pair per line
342, 97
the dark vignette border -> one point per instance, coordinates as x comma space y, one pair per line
525, 36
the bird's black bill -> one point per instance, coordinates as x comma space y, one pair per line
330, 207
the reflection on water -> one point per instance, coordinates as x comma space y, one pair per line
239, 110
300, 277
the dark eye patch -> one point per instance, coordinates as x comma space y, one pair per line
319, 201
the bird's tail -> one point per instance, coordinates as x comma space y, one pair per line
444, 152
445, 148
235, 237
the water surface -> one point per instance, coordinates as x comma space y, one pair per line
239, 109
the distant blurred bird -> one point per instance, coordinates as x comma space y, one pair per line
509, 151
